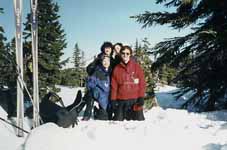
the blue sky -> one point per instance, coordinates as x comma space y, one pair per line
91, 22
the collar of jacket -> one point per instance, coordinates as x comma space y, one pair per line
128, 66
124, 65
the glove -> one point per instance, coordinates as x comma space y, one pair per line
140, 101
114, 104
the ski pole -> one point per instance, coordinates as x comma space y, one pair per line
19, 61
34, 30
21, 81
14, 125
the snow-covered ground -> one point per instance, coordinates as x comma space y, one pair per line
167, 99
163, 129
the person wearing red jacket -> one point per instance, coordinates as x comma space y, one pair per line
127, 88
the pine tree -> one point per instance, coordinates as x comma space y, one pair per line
10, 73
167, 74
79, 65
77, 57
200, 56
2, 52
2, 38
68, 77
7, 61
51, 42
83, 70
142, 57
75, 76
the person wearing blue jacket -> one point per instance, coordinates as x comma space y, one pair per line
99, 86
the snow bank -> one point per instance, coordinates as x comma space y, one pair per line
163, 129
166, 98
9, 141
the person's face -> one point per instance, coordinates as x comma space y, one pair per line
108, 51
117, 48
106, 62
125, 55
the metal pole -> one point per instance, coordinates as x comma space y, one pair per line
14, 125
19, 61
34, 29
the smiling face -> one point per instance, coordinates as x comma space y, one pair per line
125, 55
107, 50
106, 62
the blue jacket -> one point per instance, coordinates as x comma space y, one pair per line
99, 85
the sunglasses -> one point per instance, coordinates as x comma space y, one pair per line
125, 53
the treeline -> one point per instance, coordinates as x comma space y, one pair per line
51, 42
76, 75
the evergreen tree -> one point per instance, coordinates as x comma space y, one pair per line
142, 57
7, 61
167, 74
79, 65
51, 42
10, 72
2, 38
200, 56
83, 70
2, 52
68, 77
75, 76
77, 57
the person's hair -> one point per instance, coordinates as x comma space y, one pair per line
106, 45
120, 44
104, 56
101, 57
126, 47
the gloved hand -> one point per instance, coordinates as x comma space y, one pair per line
114, 104
140, 101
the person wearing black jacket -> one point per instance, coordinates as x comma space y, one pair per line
116, 54
52, 112
106, 49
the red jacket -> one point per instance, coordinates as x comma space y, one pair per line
127, 81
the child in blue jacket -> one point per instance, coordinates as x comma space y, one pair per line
98, 84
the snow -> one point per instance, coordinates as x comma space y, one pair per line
68, 94
167, 99
7, 135
164, 129
164, 96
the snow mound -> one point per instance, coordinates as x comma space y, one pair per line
3, 113
166, 98
8, 138
162, 129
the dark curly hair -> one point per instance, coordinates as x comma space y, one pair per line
106, 45
120, 44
